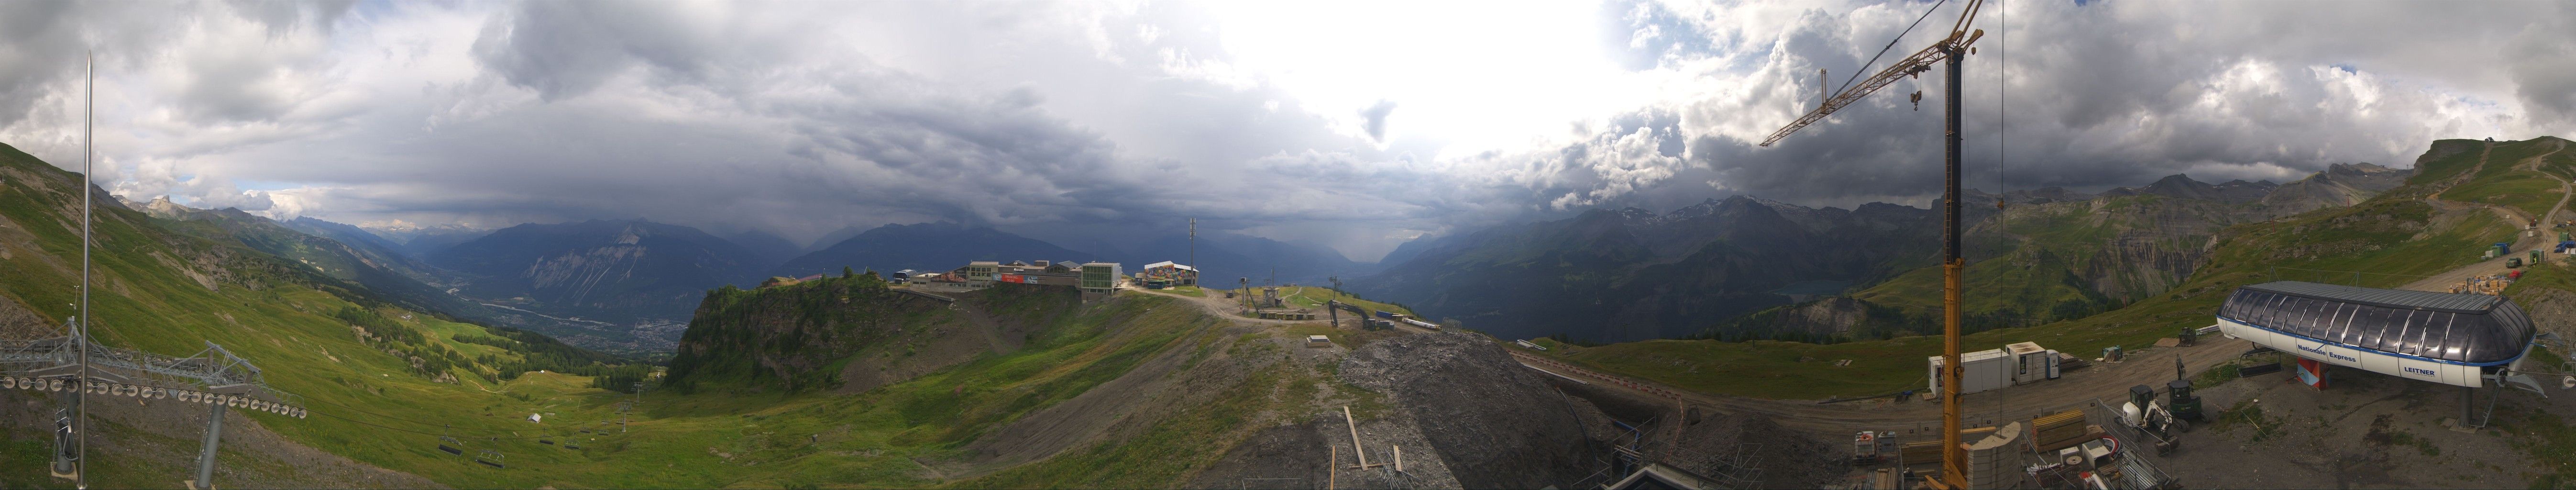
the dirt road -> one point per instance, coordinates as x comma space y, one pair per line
2527, 241
2101, 381
1222, 307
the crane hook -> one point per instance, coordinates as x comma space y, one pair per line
1918, 100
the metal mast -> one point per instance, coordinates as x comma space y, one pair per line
1947, 51
1194, 252
89, 158
1954, 454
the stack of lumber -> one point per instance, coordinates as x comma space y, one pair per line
2060, 430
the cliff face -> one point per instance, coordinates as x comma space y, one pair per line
846, 333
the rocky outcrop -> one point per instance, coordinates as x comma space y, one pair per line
789, 337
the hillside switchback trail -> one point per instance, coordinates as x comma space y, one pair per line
2525, 241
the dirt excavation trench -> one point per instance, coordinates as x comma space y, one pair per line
1466, 415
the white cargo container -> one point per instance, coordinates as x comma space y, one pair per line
2031, 363
1986, 370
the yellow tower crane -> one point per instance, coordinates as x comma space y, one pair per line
1947, 51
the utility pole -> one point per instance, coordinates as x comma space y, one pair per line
89, 164
1947, 52
630, 406
1194, 251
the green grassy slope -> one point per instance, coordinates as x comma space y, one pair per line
2393, 234
2035, 282
2501, 183
1315, 296
170, 293
393, 279
883, 438
377, 408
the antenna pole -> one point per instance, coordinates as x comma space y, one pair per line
89, 158
1194, 250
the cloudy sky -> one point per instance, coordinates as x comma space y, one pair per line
1352, 124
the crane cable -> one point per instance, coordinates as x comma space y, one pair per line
1891, 44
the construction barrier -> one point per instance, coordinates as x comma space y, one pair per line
1616, 380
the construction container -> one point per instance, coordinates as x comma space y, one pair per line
1985, 370
2031, 363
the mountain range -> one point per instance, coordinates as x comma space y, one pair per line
1718, 268
629, 285
608, 270
1622, 274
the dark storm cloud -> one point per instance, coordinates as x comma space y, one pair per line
564, 49
1097, 121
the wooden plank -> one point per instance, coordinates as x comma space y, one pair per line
1355, 436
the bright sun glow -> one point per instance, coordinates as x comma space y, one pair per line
1464, 79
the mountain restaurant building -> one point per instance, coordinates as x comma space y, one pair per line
1100, 279
1178, 275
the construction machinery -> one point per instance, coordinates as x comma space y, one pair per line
2151, 421
2179, 398
1948, 52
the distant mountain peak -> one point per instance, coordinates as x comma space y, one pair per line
162, 207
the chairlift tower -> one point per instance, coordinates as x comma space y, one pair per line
73, 364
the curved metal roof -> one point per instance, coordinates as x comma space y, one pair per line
2471, 329
2394, 298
